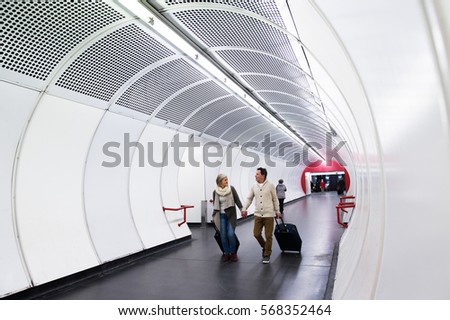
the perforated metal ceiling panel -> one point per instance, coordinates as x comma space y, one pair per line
36, 35
102, 69
265, 139
289, 107
213, 111
101, 55
177, 109
233, 132
248, 129
276, 97
270, 83
236, 30
305, 119
266, 9
233, 123
152, 89
247, 61
258, 53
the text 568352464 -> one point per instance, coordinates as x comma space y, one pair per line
294, 310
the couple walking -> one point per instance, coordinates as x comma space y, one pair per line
225, 200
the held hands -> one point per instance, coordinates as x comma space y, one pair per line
244, 213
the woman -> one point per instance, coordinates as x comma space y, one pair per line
225, 199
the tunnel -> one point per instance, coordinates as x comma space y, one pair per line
113, 111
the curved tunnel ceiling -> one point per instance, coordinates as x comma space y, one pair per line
101, 55
251, 41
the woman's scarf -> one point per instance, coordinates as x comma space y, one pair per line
223, 191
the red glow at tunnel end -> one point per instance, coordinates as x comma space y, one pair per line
323, 167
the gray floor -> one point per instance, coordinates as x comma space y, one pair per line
194, 270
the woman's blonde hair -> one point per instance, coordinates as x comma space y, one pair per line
220, 177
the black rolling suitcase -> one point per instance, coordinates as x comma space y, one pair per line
219, 240
287, 236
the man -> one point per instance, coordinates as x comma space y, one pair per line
266, 203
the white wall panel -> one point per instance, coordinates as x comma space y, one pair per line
228, 161
400, 255
15, 109
308, 183
327, 49
169, 188
409, 117
49, 198
210, 174
247, 178
233, 161
145, 187
233, 168
213, 153
276, 173
297, 181
237, 183
339, 114
106, 187
191, 182
210, 180
239, 174
292, 181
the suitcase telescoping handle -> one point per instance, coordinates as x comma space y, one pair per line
282, 223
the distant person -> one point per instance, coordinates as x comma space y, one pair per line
322, 185
281, 194
316, 187
266, 204
340, 186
